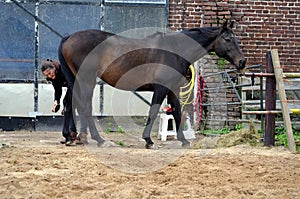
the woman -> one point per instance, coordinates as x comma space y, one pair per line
51, 70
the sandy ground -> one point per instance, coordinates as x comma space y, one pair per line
35, 165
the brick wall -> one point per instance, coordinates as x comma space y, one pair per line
261, 25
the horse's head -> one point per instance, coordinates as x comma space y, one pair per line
226, 46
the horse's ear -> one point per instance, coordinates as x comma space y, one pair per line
231, 24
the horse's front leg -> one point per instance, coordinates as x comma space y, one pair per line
176, 112
85, 109
157, 99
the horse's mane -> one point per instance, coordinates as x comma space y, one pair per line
202, 34
204, 30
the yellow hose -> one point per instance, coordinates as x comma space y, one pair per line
185, 95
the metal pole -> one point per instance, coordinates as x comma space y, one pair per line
101, 85
231, 71
36, 56
233, 86
142, 98
197, 72
262, 99
271, 112
261, 74
213, 104
37, 19
101, 96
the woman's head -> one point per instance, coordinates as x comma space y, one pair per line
48, 68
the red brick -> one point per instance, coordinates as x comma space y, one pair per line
260, 23
222, 4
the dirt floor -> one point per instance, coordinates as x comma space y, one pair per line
35, 165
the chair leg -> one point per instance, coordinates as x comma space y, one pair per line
164, 137
163, 131
174, 128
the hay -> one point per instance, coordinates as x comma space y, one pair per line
239, 137
233, 138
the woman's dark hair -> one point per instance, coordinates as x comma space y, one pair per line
47, 64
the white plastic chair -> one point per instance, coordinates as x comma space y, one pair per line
163, 130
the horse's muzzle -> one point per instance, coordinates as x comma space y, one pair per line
242, 64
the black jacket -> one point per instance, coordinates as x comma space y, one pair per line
58, 83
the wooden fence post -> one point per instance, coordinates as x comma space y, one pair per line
270, 103
282, 97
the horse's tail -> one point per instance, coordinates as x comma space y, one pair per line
70, 77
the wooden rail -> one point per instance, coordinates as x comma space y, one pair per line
262, 112
274, 76
282, 97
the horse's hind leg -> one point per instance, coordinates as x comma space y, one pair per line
160, 93
176, 112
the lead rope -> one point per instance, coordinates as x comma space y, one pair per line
198, 104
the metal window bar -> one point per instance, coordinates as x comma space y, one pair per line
213, 104
39, 20
225, 75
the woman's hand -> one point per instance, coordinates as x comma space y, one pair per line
56, 106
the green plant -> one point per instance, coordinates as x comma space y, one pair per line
239, 127
280, 135
108, 129
280, 129
145, 121
221, 63
120, 129
121, 143
259, 131
224, 130
281, 139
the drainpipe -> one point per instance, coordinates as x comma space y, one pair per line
36, 56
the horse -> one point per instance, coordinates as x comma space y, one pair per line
156, 63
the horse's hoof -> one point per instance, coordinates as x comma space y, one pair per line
79, 142
73, 135
100, 144
82, 138
107, 144
149, 146
149, 143
70, 143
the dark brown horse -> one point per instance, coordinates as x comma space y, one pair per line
157, 63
